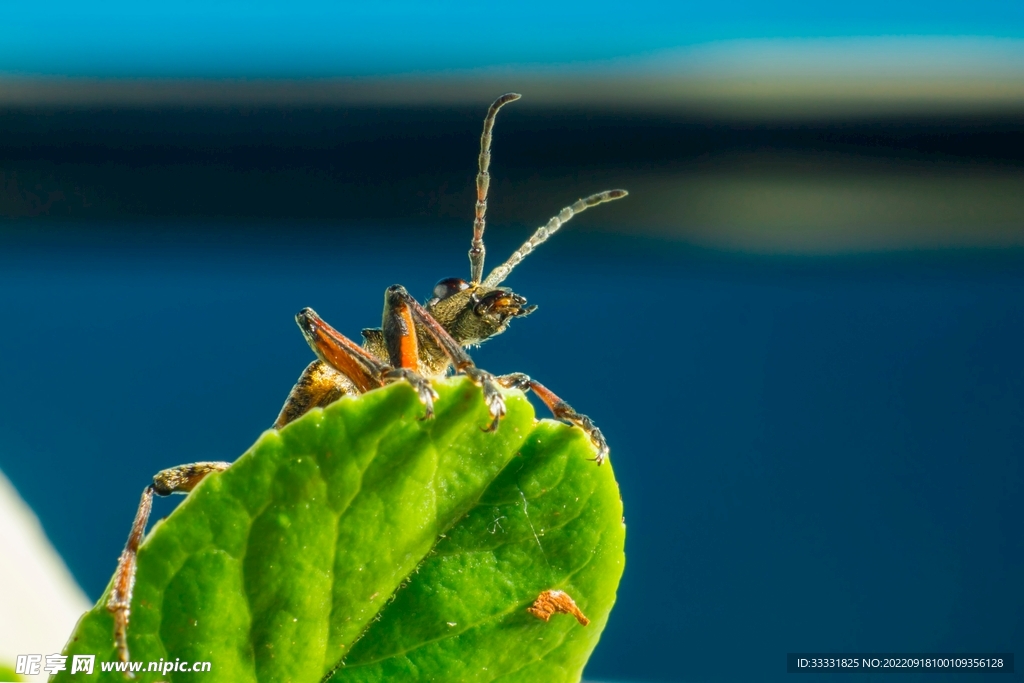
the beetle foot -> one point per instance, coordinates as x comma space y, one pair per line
492, 394
420, 385
596, 438
515, 380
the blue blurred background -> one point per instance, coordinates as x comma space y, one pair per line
801, 332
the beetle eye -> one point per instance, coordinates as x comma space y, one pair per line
448, 286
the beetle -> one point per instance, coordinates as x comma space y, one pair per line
416, 343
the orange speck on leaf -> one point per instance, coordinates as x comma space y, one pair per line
550, 602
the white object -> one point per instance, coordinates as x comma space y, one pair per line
40, 602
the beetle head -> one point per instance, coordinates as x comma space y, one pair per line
474, 313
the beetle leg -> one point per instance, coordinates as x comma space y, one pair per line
560, 409
361, 367
343, 367
420, 384
397, 296
403, 349
181, 479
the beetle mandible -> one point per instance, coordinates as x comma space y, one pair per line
415, 343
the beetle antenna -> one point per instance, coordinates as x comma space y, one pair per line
499, 274
483, 182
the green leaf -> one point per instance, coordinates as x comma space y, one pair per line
365, 541
7, 674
